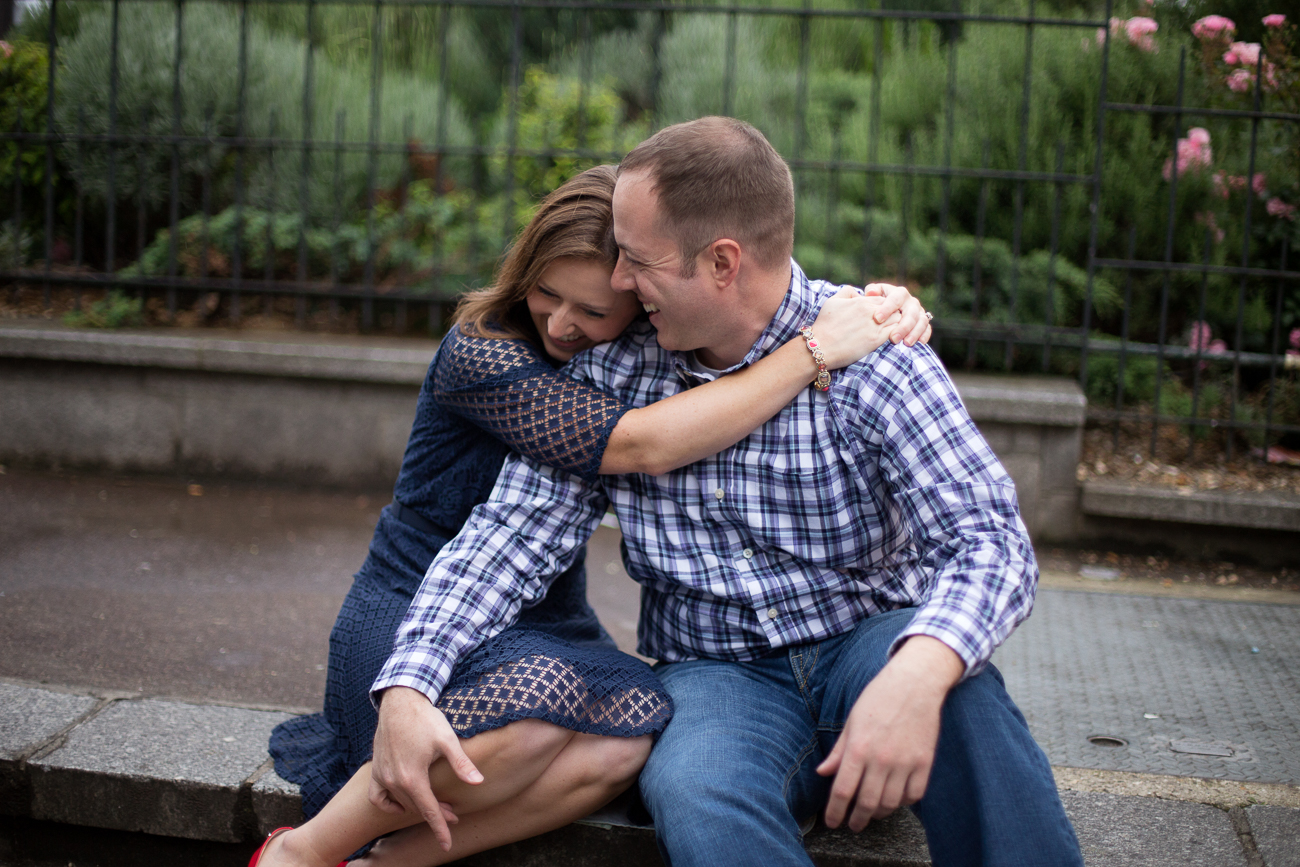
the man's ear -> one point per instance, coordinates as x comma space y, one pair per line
723, 260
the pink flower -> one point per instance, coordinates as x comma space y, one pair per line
1139, 32
1240, 81
1259, 184
1213, 27
1216, 347
1294, 339
1200, 335
1278, 208
1245, 53
1274, 20
1194, 153
6, 49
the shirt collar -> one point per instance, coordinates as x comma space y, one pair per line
798, 308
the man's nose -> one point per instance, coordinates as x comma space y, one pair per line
621, 280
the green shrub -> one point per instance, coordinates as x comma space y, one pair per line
209, 98
116, 310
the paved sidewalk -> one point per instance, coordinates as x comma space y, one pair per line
161, 683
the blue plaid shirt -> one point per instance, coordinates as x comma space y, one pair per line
879, 494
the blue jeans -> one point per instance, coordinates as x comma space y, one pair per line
734, 773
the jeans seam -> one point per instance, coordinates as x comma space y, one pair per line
794, 769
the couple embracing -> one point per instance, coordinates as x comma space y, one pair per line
825, 571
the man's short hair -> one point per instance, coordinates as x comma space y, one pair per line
717, 177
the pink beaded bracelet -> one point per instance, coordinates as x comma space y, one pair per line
823, 380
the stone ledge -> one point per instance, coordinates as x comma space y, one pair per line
1020, 399
180, 770
1219, 508
401, 361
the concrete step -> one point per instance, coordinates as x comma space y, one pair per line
151, 774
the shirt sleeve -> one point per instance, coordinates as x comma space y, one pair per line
505, 557
957, 502
507, 388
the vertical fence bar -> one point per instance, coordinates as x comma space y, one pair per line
1169, 253
435, 281
268, 267
801, 85
140, 166
905, 216
512, 121
1274, 351
949, 119
208, 145
1094, 206
1199, 349
977, 276
110, 200
372, 162
79, 227
340, 130
404, 184
1050, 313
873, 147
1245, 253
729, 73
304, 166
1022, 163
47, 294
584, 36
174, 209
1122, 359
241, 154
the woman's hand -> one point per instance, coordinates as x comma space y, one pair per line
911, 322
851, 325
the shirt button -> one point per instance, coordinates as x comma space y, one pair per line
719, 493
748, 553
771, 614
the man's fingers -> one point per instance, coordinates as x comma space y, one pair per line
868, 799
460, 762
844, 791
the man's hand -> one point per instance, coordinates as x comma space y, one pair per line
910, 324
412, 735
883, 757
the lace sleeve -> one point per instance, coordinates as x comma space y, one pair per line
507, 388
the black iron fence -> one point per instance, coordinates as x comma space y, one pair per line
1108, 198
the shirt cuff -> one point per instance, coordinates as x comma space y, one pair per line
936, 625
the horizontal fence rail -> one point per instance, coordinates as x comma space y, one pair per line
369, 160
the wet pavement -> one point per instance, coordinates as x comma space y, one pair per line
226, 592
215, 591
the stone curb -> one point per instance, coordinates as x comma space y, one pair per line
1020, 399
399, 361
1224, 509
200, 771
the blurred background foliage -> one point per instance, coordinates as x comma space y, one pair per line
464, 130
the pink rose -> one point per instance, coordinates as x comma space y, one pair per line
1259, 184
1200, 336
1219, 182
1274, 20
1199, 135
1245, 53
1213, 27
1217, 347
1193, 152
1240, 81
1278, 208
1140, 26
6, 49
1295, 338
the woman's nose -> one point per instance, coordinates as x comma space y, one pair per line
560, 322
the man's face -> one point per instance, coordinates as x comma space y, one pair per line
649, 265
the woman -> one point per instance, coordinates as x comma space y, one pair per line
557, 720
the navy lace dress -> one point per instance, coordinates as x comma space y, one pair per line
481, 399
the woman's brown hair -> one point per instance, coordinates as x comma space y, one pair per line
574, 222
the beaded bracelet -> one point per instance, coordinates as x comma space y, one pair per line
823, 380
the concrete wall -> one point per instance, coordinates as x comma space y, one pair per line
334, 410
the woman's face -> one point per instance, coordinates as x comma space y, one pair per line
574, 308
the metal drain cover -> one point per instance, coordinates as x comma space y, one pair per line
1201, 748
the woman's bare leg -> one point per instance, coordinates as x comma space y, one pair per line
586, 775
511, 759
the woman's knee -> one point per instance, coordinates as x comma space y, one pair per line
612, 762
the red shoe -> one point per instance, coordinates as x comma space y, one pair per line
257, 856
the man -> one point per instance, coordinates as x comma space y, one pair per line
824, 596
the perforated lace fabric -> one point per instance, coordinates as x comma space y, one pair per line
475, 385
528, 674
507, 388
